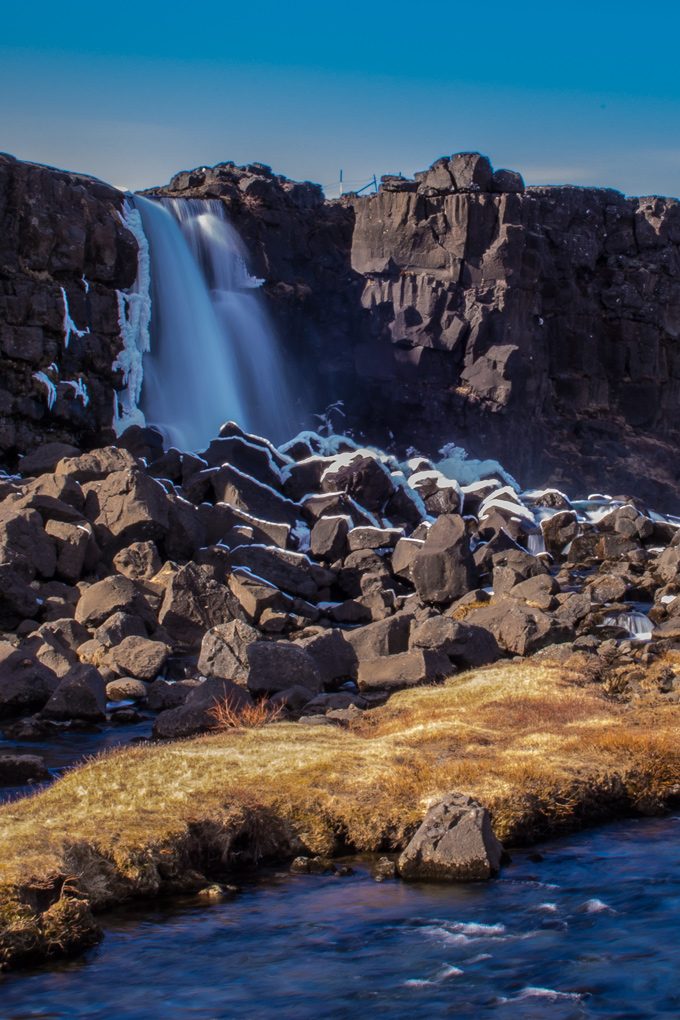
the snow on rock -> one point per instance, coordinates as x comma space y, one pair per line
134, 317
457, 464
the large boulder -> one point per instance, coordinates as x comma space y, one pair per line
18, 601
67, 633
360, 474
519, 629
19, 769
24, 545
196, 715
254, 595
139, 657
118, 627
80, 695
138, 561
328, 538
127, 506
512, 567
224, 651
193, 603
559, 530
45, 458
114, 594
442, 570
162, 695
333, 654
384, 637
290, 571
275, 665
72, 542
465, 645
404, 555
244, 492
96, 464
25, 684
405, 669
126, 688
455, 843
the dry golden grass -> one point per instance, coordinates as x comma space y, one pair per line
247, 718
540, 746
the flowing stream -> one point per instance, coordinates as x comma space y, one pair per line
590, 930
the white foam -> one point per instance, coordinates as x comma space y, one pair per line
596, 906
534, 992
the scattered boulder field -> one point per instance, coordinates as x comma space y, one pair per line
318, 577
444, 665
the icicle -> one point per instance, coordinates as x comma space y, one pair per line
134, 316
79, 389
69, 325
50, 388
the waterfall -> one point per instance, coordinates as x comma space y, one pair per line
214, 355
638, 625
262, 373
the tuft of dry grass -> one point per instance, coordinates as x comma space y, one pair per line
229, 717
536, 741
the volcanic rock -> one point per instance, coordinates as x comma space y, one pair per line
404, 669
81, 694
455, 843
224, 651
443, 570
276, 665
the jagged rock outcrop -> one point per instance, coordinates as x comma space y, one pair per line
64, 252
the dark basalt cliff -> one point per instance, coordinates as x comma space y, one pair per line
537, 326
58, 230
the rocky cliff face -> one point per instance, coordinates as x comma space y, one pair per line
64, 253
538, 326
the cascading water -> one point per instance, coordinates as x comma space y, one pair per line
263, 384
214, 355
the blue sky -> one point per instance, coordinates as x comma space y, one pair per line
583, 93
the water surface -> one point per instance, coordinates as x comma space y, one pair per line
589, 931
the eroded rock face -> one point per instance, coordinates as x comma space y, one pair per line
60, 235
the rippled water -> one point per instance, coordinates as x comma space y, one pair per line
589, 931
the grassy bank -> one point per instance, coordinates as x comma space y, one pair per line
538, 742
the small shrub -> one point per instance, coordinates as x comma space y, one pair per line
227, 717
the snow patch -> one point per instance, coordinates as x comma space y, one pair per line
457, 464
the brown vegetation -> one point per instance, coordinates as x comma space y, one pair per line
228, 717
540, 745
